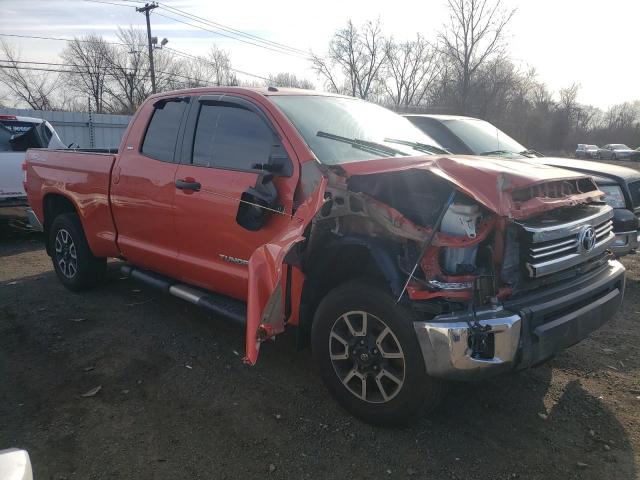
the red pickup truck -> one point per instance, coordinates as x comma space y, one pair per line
403, 266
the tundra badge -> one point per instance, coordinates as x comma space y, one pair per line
229, 259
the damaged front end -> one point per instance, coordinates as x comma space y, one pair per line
472, 249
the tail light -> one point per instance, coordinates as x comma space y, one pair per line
8, 117
24, 169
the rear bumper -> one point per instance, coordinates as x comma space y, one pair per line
524, 332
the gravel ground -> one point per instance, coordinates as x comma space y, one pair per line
175, 400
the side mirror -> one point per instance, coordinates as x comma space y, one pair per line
256, 202
278, 163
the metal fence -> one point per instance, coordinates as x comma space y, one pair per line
88, 130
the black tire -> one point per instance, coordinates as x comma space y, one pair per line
66, 240
418, 392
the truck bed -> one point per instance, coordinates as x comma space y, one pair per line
82, 177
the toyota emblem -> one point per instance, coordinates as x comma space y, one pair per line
587, 239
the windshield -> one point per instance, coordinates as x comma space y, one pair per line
619, 146
591, 147
482, 137
340, 130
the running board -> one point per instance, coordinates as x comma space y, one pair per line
218, 304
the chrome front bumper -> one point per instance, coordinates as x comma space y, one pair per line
445, 344
530, 331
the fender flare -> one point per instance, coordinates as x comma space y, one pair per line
381, 257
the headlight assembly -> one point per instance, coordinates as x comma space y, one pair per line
613, 196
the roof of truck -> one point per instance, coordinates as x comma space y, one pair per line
265, 91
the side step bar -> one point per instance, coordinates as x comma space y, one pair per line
218, 304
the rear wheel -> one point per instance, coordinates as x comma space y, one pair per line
76, 266
368, 355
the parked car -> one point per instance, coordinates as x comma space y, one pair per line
587, 151
616, 151
399, 264
17, 134
472, 136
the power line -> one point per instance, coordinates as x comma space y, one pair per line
109, 3
201, 59
230, 29
232, 33
80, 69
204, 60
231, 37
62, 39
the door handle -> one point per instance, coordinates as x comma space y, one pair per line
188, 185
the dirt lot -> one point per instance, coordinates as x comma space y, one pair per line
176, 401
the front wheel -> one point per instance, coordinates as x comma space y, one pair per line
369, 357
75, 265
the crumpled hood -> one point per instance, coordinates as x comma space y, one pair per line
489, 180
590, 168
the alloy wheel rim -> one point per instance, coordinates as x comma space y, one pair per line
367, 357
66, 255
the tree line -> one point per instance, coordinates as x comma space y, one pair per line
464, 69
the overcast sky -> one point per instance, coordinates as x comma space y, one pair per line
592, 42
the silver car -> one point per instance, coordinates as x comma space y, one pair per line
616, 151
587, 151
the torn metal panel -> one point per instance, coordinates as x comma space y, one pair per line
490, 181
265, 309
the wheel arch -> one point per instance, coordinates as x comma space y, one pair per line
55, 204
338, 262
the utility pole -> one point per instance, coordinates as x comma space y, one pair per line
146, 9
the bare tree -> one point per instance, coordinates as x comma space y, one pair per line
623, 116
196, 72
286, 79
169, 71
359, 57
221, 63
128, 68
412, 69
35, 88
89, 58
474, 34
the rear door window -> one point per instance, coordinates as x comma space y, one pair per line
162, 132
17, 127
231, 137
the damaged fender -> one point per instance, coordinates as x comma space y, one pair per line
265, 299
510, 191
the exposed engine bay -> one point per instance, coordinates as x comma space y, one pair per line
474, 256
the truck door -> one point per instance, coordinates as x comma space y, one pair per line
143, 189
234, 160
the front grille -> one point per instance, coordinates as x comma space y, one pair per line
555, 189
562, 245
634, 188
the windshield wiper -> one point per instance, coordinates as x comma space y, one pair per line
528, 152
366, 145
421, 147
498, 152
